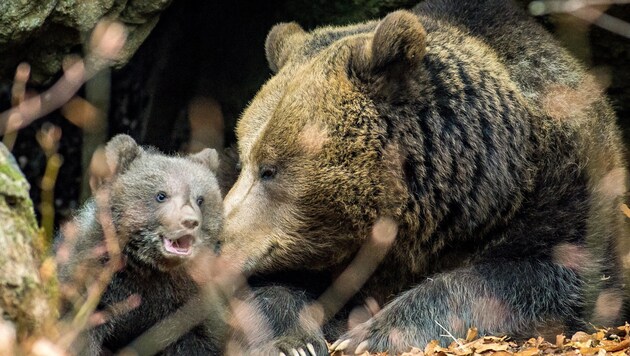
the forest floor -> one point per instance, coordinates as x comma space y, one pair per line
612, 342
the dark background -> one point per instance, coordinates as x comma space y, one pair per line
215, 50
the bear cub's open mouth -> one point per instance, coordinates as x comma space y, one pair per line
181, 246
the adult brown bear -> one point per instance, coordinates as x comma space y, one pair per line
466, 125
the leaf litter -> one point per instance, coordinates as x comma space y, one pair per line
609, 342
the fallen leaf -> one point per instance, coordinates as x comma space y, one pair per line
413, 352
481, 348
580, 336
528, 352
615, 346
430, 348
462, 351
560, 339
589, 350
471, 334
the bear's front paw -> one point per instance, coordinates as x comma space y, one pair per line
301, 347
360, 339
375, 335
289, 346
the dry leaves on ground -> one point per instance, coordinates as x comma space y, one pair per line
612, 342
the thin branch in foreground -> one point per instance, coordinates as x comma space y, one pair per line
545, 7
18, 95
449, 334
83, 314
585, 10
351, 280
107, 40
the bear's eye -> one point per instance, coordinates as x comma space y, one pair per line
267, 172
160, 197
199, 201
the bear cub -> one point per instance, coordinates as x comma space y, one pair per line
164, 210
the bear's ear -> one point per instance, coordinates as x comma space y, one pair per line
120, 151
208, 157
399, 43
281, 40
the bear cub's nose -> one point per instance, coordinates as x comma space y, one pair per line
190, 222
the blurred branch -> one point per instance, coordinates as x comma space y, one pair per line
544, 7
587, 10
106, 43
351, 280
85, 307
209, 308
18, 94
48, 139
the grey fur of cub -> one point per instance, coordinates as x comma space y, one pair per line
164, 210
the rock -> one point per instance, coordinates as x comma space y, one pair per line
25, 297
43, 32
22, 18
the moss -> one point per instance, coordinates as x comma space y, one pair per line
10, 172
31, 300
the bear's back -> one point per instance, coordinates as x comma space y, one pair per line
533, 57
578, 123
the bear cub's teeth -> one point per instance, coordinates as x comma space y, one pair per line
180, 246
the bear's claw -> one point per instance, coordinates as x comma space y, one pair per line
301, 351
363, 346
340, 345
370, 336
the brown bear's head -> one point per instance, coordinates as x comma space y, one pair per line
317, 167
164, 208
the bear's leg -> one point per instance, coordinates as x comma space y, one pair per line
274, 320
195, 342
498, 297
89, 343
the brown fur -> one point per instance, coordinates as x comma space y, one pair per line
441, 121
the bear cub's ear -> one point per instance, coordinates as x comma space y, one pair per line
208, 157
120, 151
399, 40
281, 40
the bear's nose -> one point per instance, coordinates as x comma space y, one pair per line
190, 222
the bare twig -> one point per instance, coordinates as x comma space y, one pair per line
605, 21
107, 41
358, 271
544, 7
449, 334
18, 94
85, 309
586, 10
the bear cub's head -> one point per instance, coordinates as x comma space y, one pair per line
164, 208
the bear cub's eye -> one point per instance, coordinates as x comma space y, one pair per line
160, 197
199, 201
267, 172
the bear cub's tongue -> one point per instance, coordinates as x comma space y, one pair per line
181, 246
